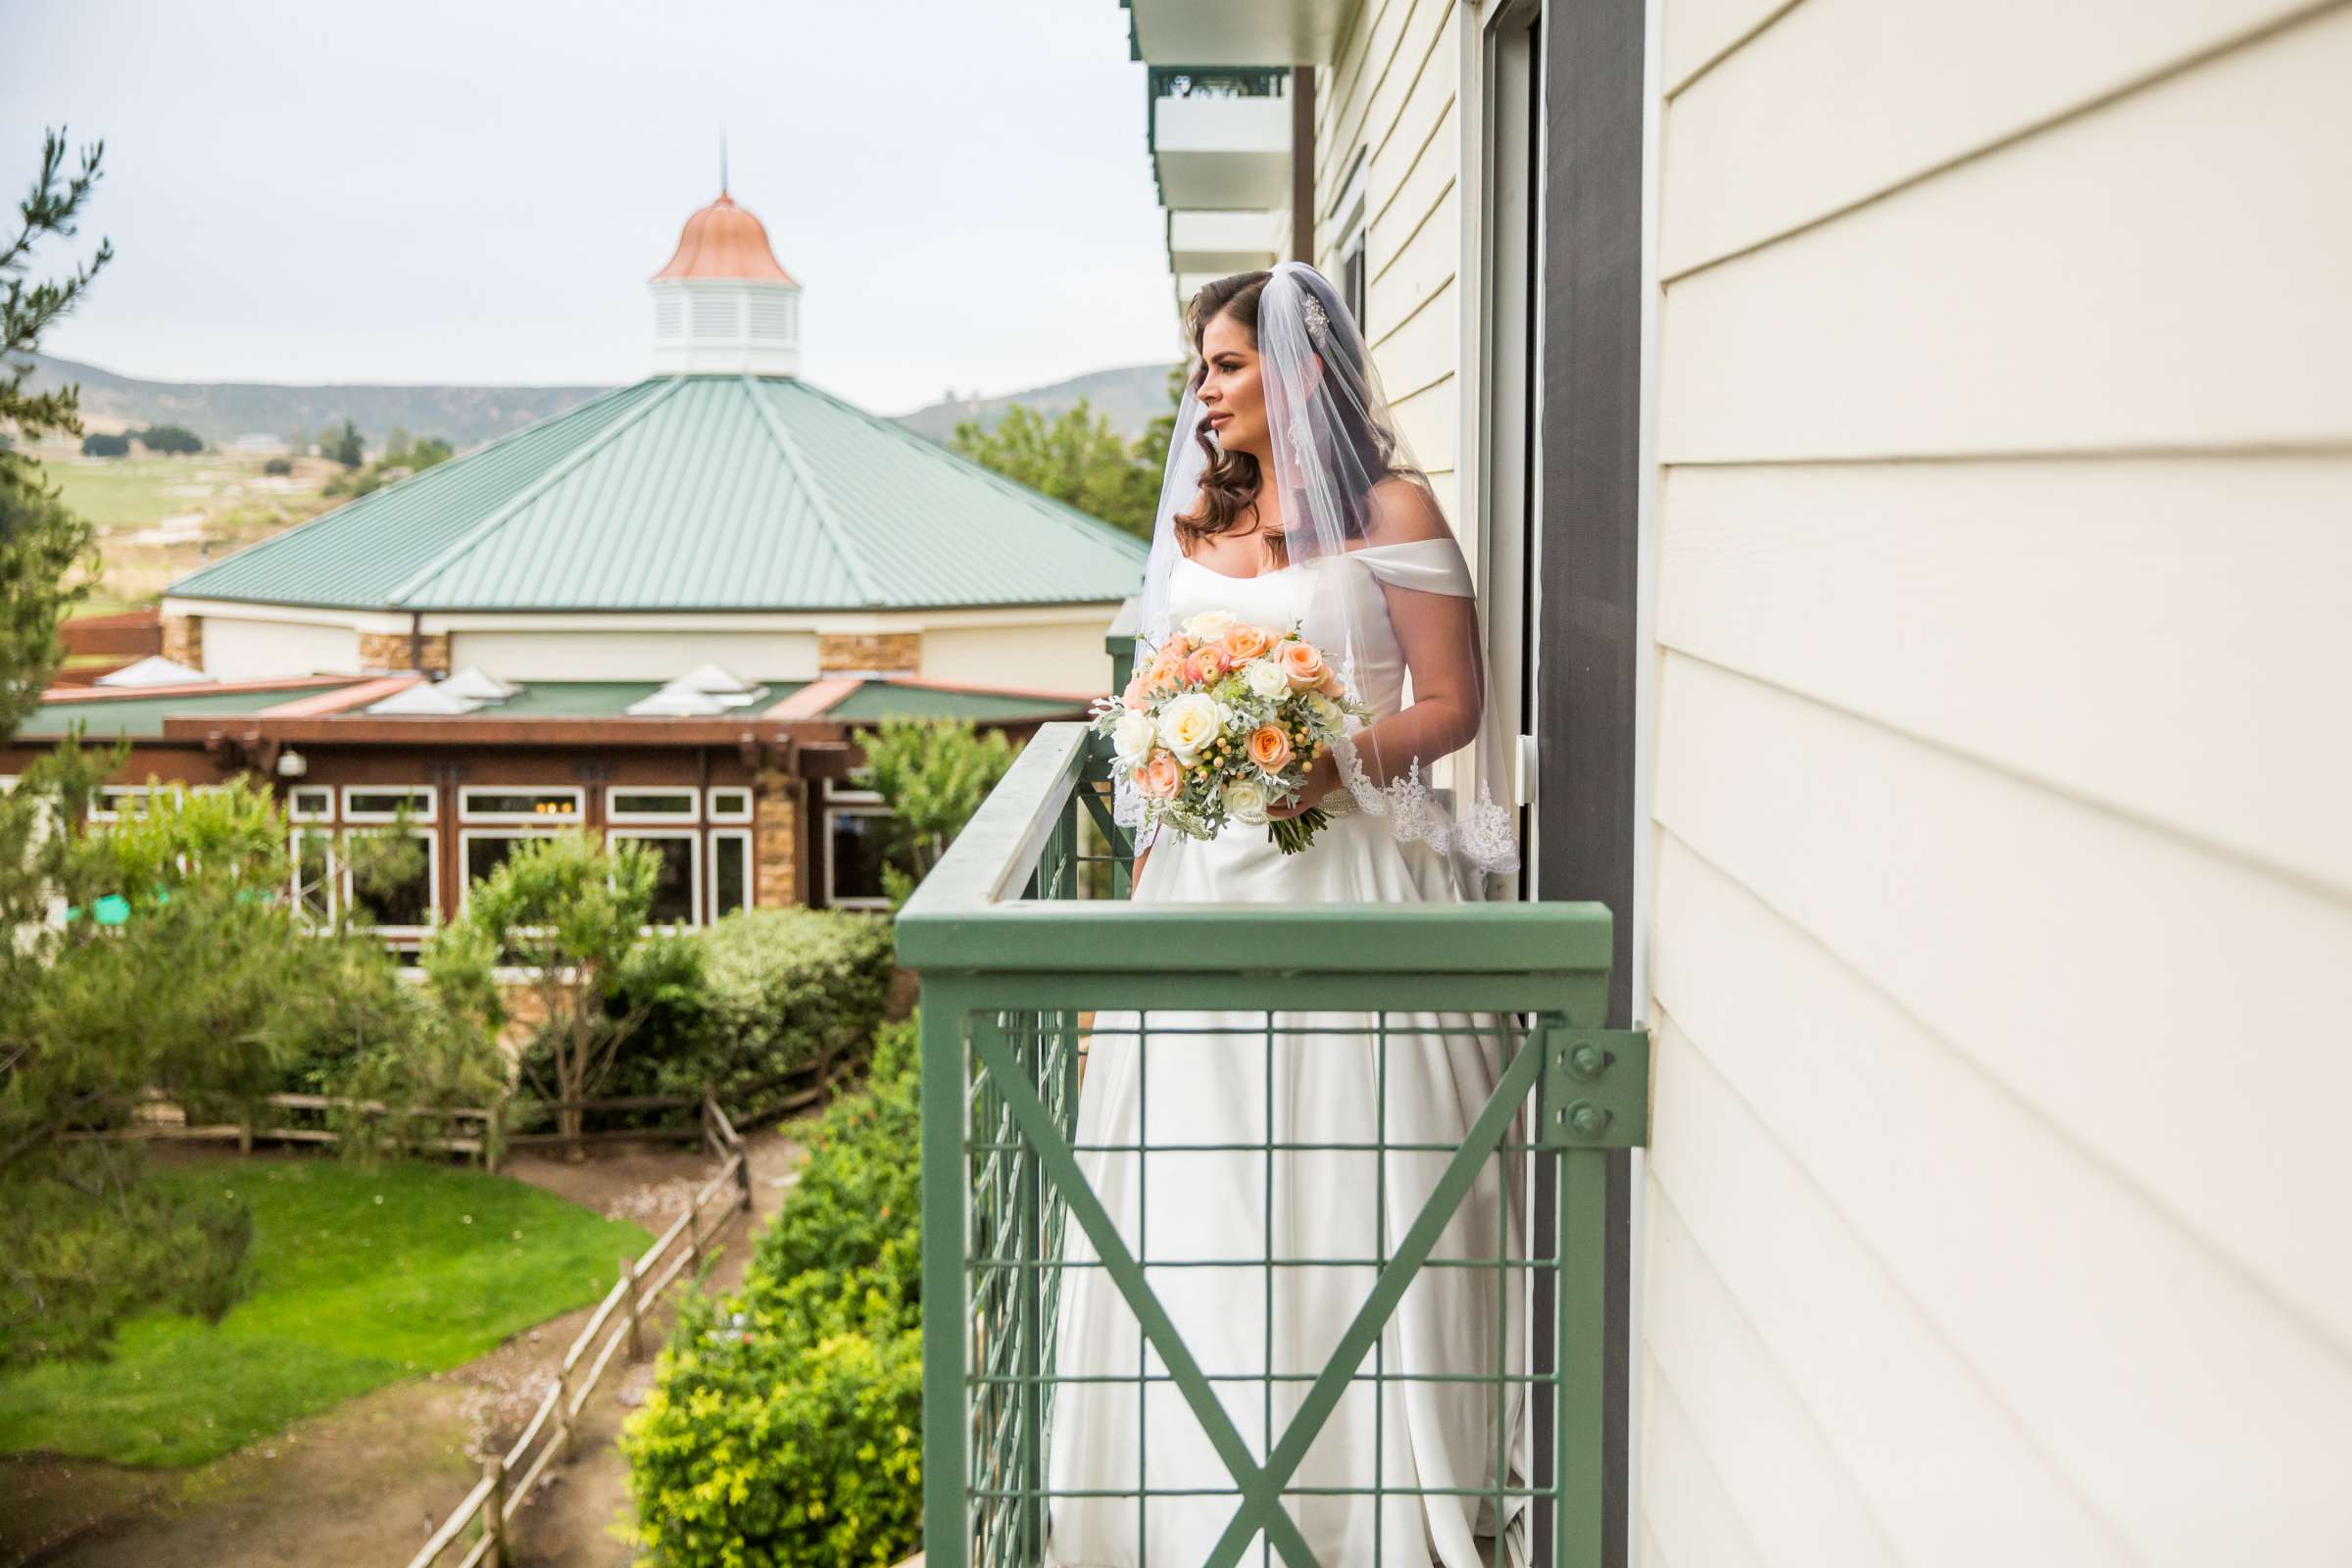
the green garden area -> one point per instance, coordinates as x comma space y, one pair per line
358, 1278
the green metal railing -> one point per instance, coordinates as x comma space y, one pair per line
1025, 945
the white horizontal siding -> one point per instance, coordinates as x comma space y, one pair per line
2150, 998
2091, 625
1686, 1514
1766, 142
2057, 1296
2167, 271
1695, 33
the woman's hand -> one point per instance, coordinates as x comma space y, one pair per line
1322, 777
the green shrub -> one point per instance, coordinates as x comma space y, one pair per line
785, 1422
781, 989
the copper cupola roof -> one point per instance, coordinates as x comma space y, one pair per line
724, 241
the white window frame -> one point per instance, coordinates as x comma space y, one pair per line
577, 792
686, 819
693, 867
332, 882
711, 812
427, 802
751, 871
850, 802
294, 810
467, 834
143, 791
433, 888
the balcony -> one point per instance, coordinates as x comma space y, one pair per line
1234, 32
1221, 137
1020, 934
1212, 245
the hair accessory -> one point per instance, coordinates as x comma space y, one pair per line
1318, 324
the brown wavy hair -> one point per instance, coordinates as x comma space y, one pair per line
1230, 482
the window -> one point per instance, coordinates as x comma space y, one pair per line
1348, 215
730, 873
730, 806
857, 848
381, 802
312, 802
311, 888
649, 804
522, 802
112, 802
480, 854
677, 885
391, 892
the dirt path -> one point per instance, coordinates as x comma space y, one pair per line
365, 1483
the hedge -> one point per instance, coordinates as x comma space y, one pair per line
784, 1427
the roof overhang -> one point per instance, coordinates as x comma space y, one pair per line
1234, 32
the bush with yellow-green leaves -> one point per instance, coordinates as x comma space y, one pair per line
784, 1427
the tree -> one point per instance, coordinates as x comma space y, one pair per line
572, 913
171, 438
40, 541
344, 446
179, 967
99, 444
1076, 459
933, 775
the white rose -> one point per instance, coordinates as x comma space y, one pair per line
1328, 713
1208, 627
1189, 722
1131, 737
1265, 678
1245, 801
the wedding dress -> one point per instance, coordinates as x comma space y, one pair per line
1168, 1084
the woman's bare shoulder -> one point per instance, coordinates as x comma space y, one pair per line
1403, 511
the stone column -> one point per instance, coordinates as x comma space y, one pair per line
183, 640
777, 807
885, 653
389, 651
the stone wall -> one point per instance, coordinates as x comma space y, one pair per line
777, 811
389, 651
892, 653
183, 640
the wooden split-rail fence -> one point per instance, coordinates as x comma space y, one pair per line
619, 1319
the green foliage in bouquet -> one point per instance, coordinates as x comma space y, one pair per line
785, 1422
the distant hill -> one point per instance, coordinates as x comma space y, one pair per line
467, 415
1130, 398
222, 410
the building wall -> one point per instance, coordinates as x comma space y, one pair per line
1047, 658
604, 655
1390, 92
255, 650
2004, 921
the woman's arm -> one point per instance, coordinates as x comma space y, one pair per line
1438, 633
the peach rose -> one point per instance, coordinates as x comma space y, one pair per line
1330, 685
1270, 747
1177, 644
1167, 669
1206, 665
1137, 695
1245, 642
1160, 776
1303, 663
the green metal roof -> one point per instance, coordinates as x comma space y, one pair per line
142, 717
876, 700
692, 492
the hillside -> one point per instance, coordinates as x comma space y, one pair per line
467, 415
1131, 398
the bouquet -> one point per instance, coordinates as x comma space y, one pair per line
1221, 723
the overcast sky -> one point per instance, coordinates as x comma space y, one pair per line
476, 192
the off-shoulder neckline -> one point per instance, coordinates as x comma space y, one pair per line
1356, 550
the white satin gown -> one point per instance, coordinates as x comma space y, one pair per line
1204, 1205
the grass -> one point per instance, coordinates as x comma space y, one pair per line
358, 1279
121, 496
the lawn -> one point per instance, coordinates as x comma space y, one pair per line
358, 1279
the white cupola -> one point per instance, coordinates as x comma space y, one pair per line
724, 305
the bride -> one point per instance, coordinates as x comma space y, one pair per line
1289, 500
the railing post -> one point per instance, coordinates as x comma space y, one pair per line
494, 1512
946, 1460
562, 1413
628, 1303
694, 1231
